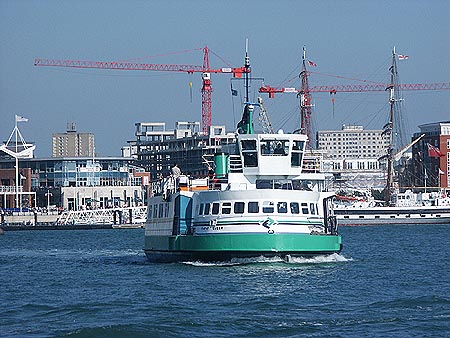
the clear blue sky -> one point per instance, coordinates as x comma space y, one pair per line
350, 39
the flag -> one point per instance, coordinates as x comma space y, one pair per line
434, 151
21, 119
403, 57
234, 92
312, 64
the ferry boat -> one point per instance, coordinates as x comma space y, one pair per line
255, 206
257, 202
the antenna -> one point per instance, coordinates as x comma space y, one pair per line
247, 66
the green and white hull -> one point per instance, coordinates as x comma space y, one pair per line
228, 246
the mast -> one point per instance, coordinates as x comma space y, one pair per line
305, 103
390, 151
26, 152
245, 126
247, 67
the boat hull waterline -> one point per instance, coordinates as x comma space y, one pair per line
225, 247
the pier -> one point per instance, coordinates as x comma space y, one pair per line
127, 217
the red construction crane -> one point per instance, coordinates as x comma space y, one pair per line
205, 70
305, 94
355, 88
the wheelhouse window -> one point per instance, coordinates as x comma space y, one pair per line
268, 207
200, 210
253, 207
274, 184
226, 208
297, 153
239, 207
249, 153
274, 147
155, 211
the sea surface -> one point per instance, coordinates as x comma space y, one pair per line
389, 281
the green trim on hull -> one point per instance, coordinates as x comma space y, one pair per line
226, 246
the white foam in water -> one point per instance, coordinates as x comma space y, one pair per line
318, 259
261, 259
238, 261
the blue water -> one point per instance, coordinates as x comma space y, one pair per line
390, 281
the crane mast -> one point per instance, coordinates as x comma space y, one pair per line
206, 93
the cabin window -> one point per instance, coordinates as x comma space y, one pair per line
226, 208
150, 210
268, 207
312, 208
215, 208
282, 207
248, 145
295, 208
155, 211
253, 207
297, 153
207, 207
200, 210
166, 210
239, 207
250, 159
249, 153
161, 210
305, 210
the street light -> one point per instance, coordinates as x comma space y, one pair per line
48, 194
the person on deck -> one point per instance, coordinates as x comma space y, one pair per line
176, 172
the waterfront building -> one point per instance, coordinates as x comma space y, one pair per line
76, 183
157, 149
9, 188
431, 156
73, 144
351, 155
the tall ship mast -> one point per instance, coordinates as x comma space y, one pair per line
306, 104
394, 129
390, 130
399, 208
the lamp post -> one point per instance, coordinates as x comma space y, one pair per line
48, 194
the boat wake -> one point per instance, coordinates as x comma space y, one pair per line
333, 258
